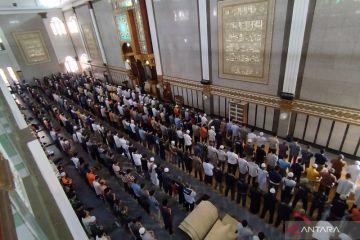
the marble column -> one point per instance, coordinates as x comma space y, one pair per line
298, 24
204, 36
97, 34
154, 38
98, 38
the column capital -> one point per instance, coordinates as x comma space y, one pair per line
43, 15
90, 5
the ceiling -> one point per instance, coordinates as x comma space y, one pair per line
33, 4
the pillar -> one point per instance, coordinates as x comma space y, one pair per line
296, 40
98, 38
204, 36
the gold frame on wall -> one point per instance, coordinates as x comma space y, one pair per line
90, 41
266, 40
32, 47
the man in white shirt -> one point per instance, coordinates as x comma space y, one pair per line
180, 136
288, 186
117, 143
212, 154
75, 160
212, 135
354, 170
272, 159
253, 171
243, 231
187, 141
263, 178
208, 170
137, 161
204, 120
189, 196
345, 186
232, 159
243, 167
323, 235
97, 187
222, 157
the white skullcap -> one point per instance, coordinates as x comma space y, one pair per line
187, 131
221, 146
261, 134
263, 165
290, 175
187, 109
92, 219
166, 170
272, 190
341, 156
212, 127
204, 114
152, 159
142, 230
63, 174
315, 165
172, 142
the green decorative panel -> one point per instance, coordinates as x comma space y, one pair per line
123, 27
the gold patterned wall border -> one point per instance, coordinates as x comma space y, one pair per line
32, 47
183, 83
90, 41
245, 33
346, 115
116, 69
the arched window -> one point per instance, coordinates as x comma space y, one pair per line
84, 61
57, 26
70, 64
12, 74
72, 25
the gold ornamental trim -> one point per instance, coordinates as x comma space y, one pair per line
183, 83
113, 68
342, 114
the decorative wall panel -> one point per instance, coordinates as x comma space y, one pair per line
32, 47
245, 34
140, 28
123, 27
90, 41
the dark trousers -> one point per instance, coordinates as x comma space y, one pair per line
232, 168
241, 197
325, 189
303, 199
313, 208
169, 228
231, 189
280, 219
197, 171
271, 211
189, 206
208, 179
251, 179
188, 148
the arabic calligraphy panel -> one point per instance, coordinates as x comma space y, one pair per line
245, 34
32, 47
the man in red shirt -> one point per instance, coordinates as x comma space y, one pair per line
327, 180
